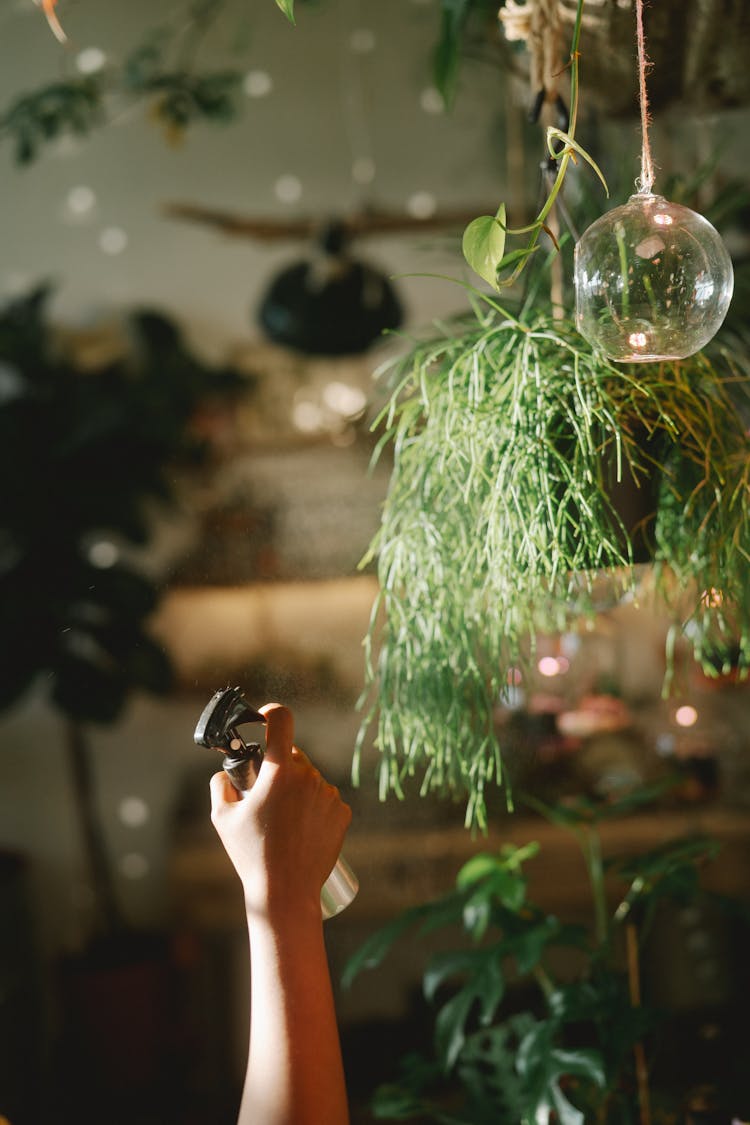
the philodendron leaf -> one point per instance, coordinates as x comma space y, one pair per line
287, 7
583, 1064
485, 985
486, 865
370, 955
450, 1028
542, 1066
483, 245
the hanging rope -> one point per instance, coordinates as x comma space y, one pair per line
647, 167
537, 22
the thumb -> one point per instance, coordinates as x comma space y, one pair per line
222, 793
279, 732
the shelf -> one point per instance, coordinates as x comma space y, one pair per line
401, 867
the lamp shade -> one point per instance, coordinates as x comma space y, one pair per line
329, 304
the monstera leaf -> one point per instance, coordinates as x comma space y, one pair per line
81, 455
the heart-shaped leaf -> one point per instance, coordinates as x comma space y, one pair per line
483, 245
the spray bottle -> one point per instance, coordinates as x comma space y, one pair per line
217, 729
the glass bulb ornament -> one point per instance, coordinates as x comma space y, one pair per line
653, 281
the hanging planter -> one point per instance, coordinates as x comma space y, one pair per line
508, 435
653, 279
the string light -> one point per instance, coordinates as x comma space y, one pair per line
421, 205
288, 188
257, 84
686, 716
90, 60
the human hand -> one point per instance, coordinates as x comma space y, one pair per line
284, 835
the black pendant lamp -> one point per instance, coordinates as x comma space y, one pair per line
328, 303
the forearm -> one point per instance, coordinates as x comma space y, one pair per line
294, 1074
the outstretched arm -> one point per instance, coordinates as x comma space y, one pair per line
284, 838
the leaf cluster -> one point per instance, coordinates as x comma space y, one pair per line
82, 452
509, 438
161, 71
513, 1070
72, 107
570, 1052
178, 95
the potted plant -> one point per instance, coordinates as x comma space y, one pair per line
518, 1040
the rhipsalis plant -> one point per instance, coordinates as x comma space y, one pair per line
514, 1042
509, 437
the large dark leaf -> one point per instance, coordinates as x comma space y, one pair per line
372, 952
87, 691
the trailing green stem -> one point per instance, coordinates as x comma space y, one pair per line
592, 853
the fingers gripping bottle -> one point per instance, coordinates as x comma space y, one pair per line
217, 729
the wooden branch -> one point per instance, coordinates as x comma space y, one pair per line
363, 224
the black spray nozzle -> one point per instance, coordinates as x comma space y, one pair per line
217, 730
217, 726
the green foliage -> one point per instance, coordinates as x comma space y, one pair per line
509, 437
287, 7
183, 99
570, 1052
161, 71
70, 107
446, 61
483, 245
85, 452
178, 97
458, 19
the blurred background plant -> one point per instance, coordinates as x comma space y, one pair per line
517, 1040
92, 443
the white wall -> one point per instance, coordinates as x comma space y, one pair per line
330, 105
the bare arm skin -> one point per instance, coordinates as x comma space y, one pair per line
284, 838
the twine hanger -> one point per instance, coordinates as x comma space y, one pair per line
537, 23
646, 179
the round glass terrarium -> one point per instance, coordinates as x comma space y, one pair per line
653, 281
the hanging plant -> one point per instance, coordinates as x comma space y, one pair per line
510, 437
